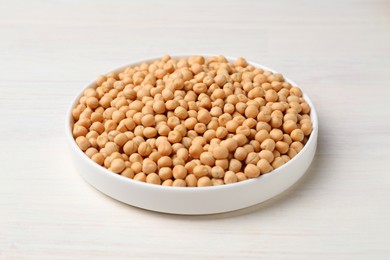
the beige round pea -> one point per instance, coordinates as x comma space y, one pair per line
153, 178
204, 182
179, 172
117, 165
297, 135
252, 171
220, 152
230, 177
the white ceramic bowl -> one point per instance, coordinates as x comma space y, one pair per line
193, 200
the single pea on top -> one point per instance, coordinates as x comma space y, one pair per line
192, 121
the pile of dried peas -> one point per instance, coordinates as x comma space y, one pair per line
192, 121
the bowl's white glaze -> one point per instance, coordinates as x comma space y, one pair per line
193, 200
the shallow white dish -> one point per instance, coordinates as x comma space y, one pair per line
193, 200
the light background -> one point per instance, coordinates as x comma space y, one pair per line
339, 53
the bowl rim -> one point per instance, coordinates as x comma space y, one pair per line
102, 170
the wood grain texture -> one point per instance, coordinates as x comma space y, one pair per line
339, 53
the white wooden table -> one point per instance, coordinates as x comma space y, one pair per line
339, 53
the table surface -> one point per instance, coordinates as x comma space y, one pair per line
339, 53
